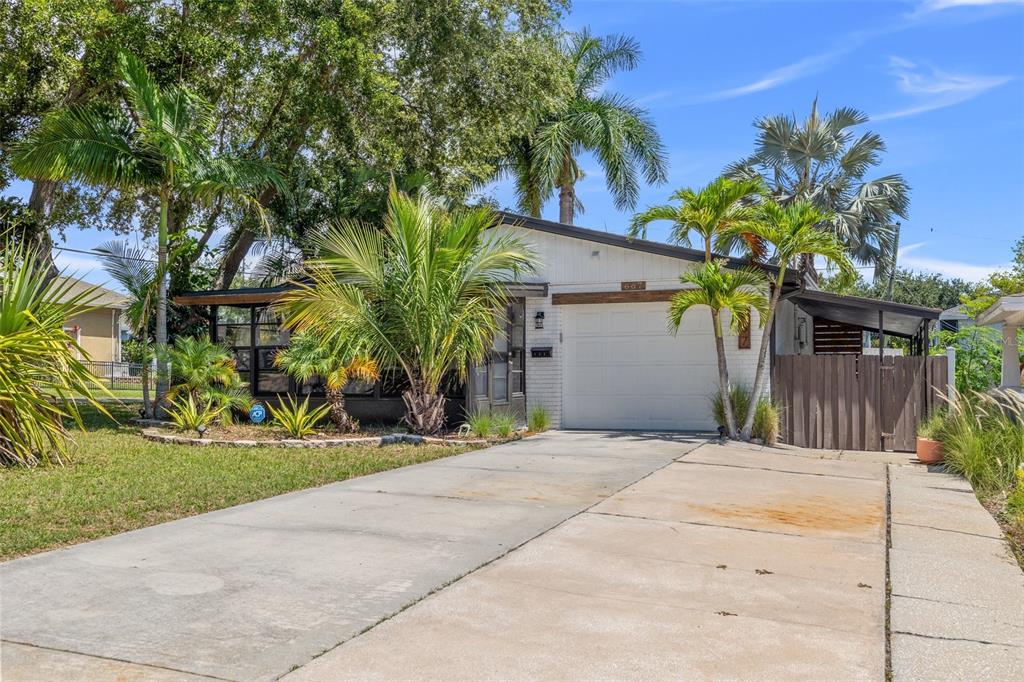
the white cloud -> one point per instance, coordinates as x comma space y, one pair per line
934, 89
938, 5
800, 69
948, 268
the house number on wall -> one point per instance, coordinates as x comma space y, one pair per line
634, 286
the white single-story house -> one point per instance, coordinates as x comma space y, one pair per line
588, 336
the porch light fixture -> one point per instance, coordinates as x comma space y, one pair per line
538, 320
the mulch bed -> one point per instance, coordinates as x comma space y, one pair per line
251, 435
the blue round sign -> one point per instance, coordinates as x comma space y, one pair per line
257, 413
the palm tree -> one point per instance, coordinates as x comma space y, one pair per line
423, 294
160, 143
821, 161
205, 372
41, 370
615, 129
307, 356
792, 231
712, 212
735, 291
137, 274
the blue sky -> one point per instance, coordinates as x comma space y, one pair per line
943, 82
942, 79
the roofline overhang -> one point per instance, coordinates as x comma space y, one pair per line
642, 245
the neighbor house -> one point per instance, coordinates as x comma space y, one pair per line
98, 331
587, 336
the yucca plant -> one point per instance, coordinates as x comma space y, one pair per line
297, 418
310, 356
41, 370
721, 290
189, 414
206, 371
424, 293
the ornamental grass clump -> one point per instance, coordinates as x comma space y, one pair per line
983, 438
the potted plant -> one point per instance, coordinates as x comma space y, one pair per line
929, 439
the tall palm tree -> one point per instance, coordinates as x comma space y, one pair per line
820, 160
308, 356
791, 231
159, 142
721, 290
135, 271
712, 212
612, 127
424, 294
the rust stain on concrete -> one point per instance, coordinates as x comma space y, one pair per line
815, 512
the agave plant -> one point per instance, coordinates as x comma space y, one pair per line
206, 371
41, 369
189, 414
310, 356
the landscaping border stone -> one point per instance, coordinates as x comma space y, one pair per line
388, 439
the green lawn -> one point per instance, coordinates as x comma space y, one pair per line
118, 482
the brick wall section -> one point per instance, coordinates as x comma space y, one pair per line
544, 375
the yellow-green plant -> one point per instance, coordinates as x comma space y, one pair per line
480, 423
297, 418
538, 419
41, 370
189, 413
504, 424
206, 371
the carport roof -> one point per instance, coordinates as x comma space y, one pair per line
898, 319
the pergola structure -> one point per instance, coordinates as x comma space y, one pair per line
1009, 312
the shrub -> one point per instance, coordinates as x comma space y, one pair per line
539, 420
297, 418
1015, 501
766, 416
504, 424
188, 414
206, 371
932, 427
766, 422
480, 423
983, 438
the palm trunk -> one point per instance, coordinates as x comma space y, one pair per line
762, 356
161, 303
566, 192
723, 376
424, 411
146, 407
339, 416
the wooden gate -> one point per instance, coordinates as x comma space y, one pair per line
856, 402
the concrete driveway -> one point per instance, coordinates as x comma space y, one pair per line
730, 563
255, 591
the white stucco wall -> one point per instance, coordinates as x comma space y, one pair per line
571, 265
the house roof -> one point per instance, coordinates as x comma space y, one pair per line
1007, 310
99, 297
898, 319
622, 241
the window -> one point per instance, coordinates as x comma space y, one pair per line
502, 375
949, 325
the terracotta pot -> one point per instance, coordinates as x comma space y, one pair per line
929, 451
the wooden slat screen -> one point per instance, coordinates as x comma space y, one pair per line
836, 337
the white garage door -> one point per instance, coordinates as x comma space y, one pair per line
623, 369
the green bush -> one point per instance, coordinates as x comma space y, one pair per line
932, 426
983, 438
297, 418
480, 423
538, 420
504, 424
188, 414
1015, 501
766, 415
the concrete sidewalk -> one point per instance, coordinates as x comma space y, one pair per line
254, 591
732, 563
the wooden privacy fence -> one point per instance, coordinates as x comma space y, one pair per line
856, 402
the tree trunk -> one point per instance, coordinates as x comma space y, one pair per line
339, 416
424, 411
566, 201
723, 376
147, 409
762, 356
161, 304
39, 202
